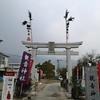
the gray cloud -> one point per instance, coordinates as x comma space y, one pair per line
48, 23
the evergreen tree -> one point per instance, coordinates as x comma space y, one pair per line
48, 69
63, 73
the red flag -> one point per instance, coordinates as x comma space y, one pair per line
30, 67
99, 75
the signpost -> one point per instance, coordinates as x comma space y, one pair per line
7, 93
92, 92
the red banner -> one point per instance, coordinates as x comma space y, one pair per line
77, 72
9, 73
99, 75
41, 72
30, 67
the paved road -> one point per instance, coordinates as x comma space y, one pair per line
51, 92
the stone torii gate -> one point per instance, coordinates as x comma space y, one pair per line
51, 51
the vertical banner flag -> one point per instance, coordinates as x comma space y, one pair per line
67, 27
99, 75
40, 74
8, 84
30, 67
29, 32
24, 68
77, 72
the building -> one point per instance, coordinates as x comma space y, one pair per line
14, 66
3, 60
3, 64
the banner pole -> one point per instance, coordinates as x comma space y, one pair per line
21, 90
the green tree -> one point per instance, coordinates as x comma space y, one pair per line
63, 73
48, 69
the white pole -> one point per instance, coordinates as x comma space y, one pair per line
83, 77
33, 67
69, 70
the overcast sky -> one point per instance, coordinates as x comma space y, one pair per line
48, 23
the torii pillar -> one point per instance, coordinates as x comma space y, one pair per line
69, 66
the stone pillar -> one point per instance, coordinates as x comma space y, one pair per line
33, 67
69, 65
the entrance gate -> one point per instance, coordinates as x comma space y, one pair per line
51, 51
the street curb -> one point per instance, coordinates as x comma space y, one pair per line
66, 94
60, 88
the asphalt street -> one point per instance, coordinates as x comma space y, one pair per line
51, 92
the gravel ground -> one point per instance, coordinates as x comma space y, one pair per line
42, 85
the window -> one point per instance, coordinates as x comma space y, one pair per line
3, 62
3, 58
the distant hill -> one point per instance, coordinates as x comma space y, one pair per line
14, 58
41, 59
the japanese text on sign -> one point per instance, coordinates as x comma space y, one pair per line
91, 83
24, 68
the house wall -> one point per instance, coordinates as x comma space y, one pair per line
14, 66
3, 61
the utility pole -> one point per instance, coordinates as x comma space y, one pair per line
58, 64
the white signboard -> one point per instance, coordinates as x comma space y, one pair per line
83, 82
8, 83
92, 92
